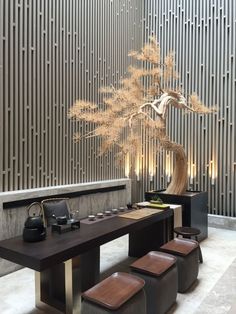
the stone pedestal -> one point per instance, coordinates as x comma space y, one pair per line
195, 209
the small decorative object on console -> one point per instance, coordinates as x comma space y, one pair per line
129, 206
156, 200
70, 225
61, 220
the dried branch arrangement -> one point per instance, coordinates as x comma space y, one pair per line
142, 99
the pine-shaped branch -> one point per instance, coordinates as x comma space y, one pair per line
144, 97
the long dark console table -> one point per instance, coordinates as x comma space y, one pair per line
56, 281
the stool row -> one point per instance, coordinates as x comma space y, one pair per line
152, 285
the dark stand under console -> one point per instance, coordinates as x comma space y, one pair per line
150, 238
195, 208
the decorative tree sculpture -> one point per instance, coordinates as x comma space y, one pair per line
142, 99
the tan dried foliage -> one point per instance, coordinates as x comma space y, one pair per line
149, 53
141, 102
197, 106
170, 73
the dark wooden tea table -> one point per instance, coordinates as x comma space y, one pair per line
57, 282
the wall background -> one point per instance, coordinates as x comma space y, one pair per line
202, 35
52, 52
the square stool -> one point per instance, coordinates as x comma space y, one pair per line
188, 232
121, 293
159, 271
186, 252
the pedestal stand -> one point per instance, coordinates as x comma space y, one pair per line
194, 205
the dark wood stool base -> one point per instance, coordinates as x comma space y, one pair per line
186, 252
188, 233
159, 270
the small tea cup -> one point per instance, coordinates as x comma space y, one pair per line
121, 209
91, 217
107, 212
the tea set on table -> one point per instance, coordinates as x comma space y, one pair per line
111, 212
34, 228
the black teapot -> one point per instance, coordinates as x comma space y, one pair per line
34, 229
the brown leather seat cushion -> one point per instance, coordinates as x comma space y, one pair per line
154, 263
115, 290
180, 246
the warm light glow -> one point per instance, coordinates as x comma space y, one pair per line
189, 169
137, 166
151, 162
192, 172
212, 171
168, 167
127, 165
151, 176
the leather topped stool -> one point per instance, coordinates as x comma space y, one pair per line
159, 271
121, 293
188, 232
186, 251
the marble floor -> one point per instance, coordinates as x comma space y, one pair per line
214, 291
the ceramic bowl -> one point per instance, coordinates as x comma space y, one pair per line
91, 217
107, 212
121, 209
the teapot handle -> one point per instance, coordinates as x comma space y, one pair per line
34, 204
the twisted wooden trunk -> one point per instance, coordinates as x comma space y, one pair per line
179, 180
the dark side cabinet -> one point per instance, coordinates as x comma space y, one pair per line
194, 206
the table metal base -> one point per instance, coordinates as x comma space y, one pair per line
58, 289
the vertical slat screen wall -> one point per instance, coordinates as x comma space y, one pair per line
203, 36
51, 53
54, 51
